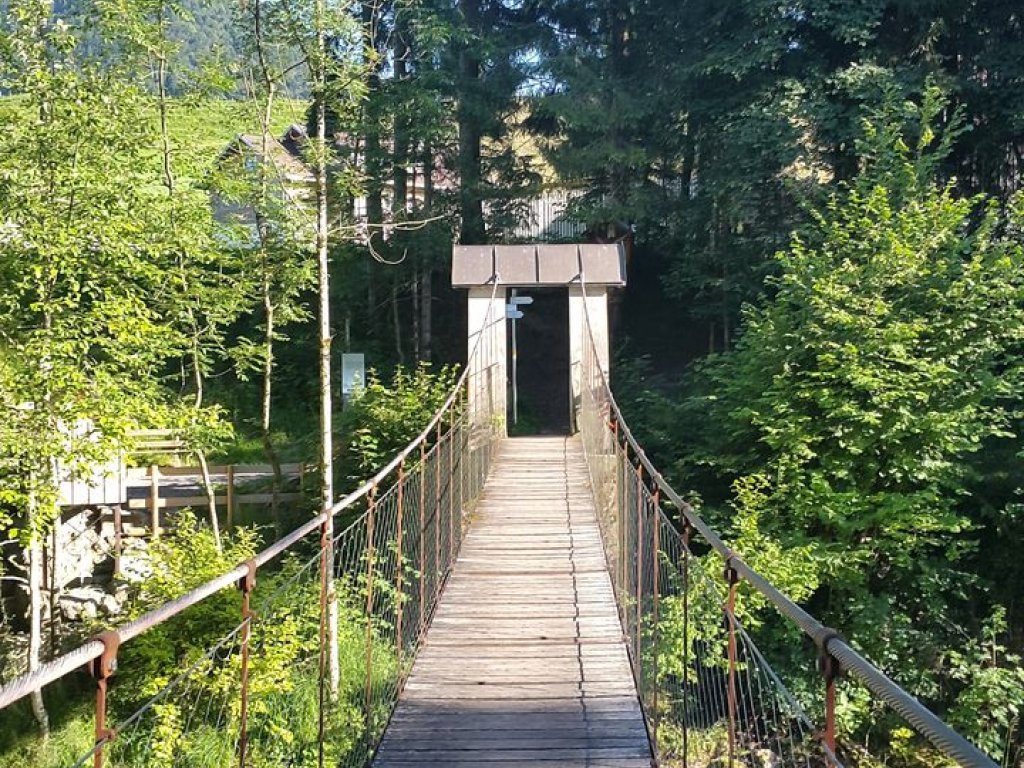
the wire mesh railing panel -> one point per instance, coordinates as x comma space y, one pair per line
709, 695
303, 662
177, 721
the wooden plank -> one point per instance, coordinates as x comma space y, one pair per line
154, 500
562, 755
238, 469
410, 721
524, 663
507, 740
180, 502
560, 762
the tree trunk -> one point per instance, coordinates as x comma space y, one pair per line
371, 301
619, 19
54, 587
35, 618
400, 156
211, 497
689, 157
371, 128
396, 320
165, 136
324, 290
170, 184
426, 293
473, 229
426, 316
265, 412
414, 291
269, 450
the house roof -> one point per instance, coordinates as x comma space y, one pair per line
538, 265
287, 159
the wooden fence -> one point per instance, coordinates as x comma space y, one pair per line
227, 498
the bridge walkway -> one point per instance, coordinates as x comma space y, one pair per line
525, 662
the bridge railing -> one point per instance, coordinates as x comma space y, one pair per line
709, 695
303, 662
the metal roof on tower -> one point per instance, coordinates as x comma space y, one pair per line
538, 265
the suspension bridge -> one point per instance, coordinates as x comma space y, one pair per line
488, 601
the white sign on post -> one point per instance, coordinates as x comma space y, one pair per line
353, 374
513, 313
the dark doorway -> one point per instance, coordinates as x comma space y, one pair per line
543, 364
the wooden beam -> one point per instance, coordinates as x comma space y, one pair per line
180, 502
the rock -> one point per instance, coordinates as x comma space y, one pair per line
89, 603
81, 549
765, 758
135, 562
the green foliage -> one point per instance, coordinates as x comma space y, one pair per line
181, 561
72, 737
284, 691
990, 707
383, 418
890, 352
81, 346
689, 622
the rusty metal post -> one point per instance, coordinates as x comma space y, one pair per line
229, 501
400, 562
451, 491
246, 584
733, 579
371, 556
687, 533
325, 548
463, 453
613, 425
830, 703
154, 499
656, 554
102, 669
623, 531
830, 670
639, 607
437, 509
423, 533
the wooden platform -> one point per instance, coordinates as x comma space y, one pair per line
524, 664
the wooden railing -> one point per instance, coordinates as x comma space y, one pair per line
167, 441
229, 498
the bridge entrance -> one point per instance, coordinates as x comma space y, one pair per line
570, 285
541, 366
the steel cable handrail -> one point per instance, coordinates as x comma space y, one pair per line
828, 640
92, 650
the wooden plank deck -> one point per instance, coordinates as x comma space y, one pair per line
524, 664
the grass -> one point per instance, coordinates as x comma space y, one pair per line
200, 129
248, 449
72, 730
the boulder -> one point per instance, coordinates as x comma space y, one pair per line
82, 551
89, 603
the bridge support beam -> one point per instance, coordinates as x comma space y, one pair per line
592, 302
487, 368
